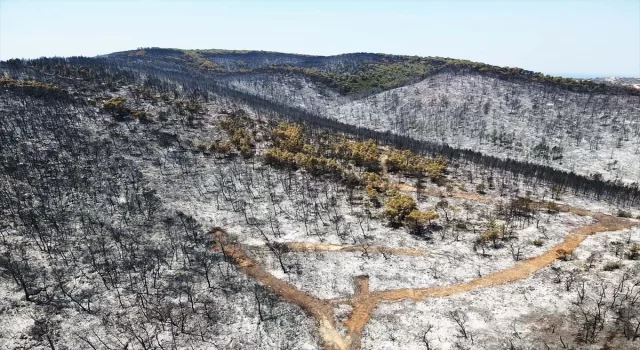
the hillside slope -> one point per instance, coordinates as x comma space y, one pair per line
584, 133
154, 205
572, 125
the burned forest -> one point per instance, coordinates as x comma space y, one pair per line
212, 199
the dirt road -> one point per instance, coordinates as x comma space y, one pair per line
364, 302
324, 247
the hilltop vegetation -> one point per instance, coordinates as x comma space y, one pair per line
361, 73
391, 72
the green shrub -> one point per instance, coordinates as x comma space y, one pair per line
417, 220
398, 208
408, 163
33, 88
289, 137
393, 71
116, 105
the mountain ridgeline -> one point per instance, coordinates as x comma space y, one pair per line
578, 126
352, 74
571, 133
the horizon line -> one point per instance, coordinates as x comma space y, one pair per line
563, 75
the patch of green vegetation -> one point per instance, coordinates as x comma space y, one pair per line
196, 59
139, 53
117, 106
395, 71
382, 76
398, 208
378, 72
32, 88
231, 52
410, 164
417, 220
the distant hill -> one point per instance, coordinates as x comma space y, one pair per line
355, 73
619, 81
587, 127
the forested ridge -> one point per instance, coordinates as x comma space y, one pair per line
357, 73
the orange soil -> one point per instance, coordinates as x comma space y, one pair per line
320, 310
323, 247
362, 310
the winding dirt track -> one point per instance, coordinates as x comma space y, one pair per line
320, 310
324, 247
364, 302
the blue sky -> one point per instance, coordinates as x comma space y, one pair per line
575, 38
